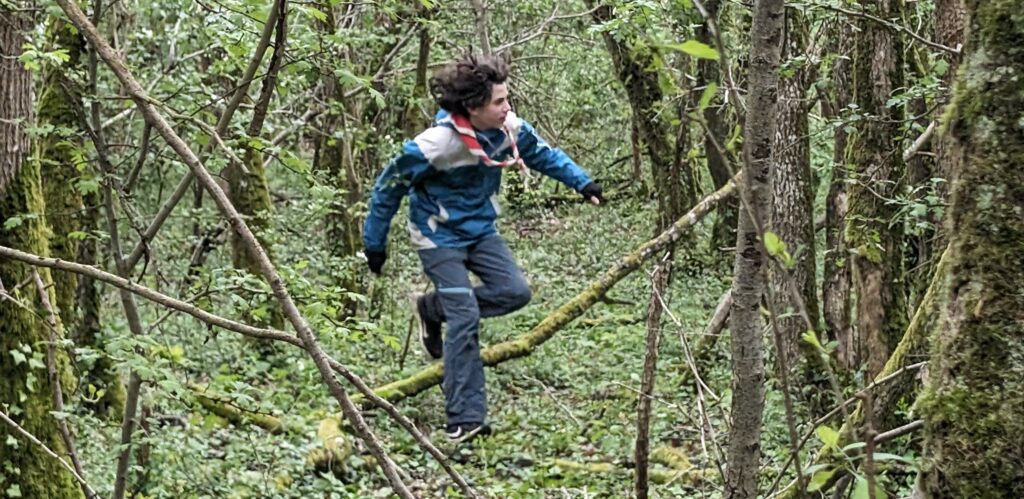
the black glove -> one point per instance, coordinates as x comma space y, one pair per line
592, 190
375, 260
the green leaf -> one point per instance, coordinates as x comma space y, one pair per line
883, 456
13, 491
828, 436
819, 480
19, 358
860, 491
707, 96
811, 338
696, 49
854, 446
13, 222
773, 244
315, 13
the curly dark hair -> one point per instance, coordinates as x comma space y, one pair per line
466, 83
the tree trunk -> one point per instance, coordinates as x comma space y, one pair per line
875, 158
715, 115
949, 31
67, 211
247, 183
974, 405
744, 452
56, 106
792, 205
659, 285
637, 72
836, 282
334, 164
414, 119
26, 391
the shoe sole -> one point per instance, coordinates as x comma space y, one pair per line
480, 430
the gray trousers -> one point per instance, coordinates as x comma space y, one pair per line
461, 306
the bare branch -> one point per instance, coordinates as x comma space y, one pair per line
222, 125
244, 329
919, 142
34, 440
887, 24
54, 374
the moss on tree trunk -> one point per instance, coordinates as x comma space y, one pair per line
26, 391
251, 196
974, 405
878, 170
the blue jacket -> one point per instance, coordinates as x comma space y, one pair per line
453, 195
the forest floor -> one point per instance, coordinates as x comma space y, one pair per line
572, 402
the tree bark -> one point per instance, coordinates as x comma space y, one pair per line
659, 284
745, 323
247, 183
716, 117
974, 405
26, 389
878, 168
56, 104
792, 200
950, 20
836, 282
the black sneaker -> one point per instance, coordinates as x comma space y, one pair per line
463, 432
430, 331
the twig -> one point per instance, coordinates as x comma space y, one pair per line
540, 28
830, 414
869, 436
383, 65
33, 439
899, 432
722, 56
222, 125
58, 392
550, 393
919, 142
659, 281
887, 24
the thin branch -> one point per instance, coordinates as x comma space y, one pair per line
832, 413
383, 65
237, 327
222, 125
887, 24
54, 374
722, 59
34, 440
480, 23
899, 432
541, 27
919, 142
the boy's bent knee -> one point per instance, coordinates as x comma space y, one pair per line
519, 295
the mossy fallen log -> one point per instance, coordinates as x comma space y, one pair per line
234, 414
688, 476
546, 329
